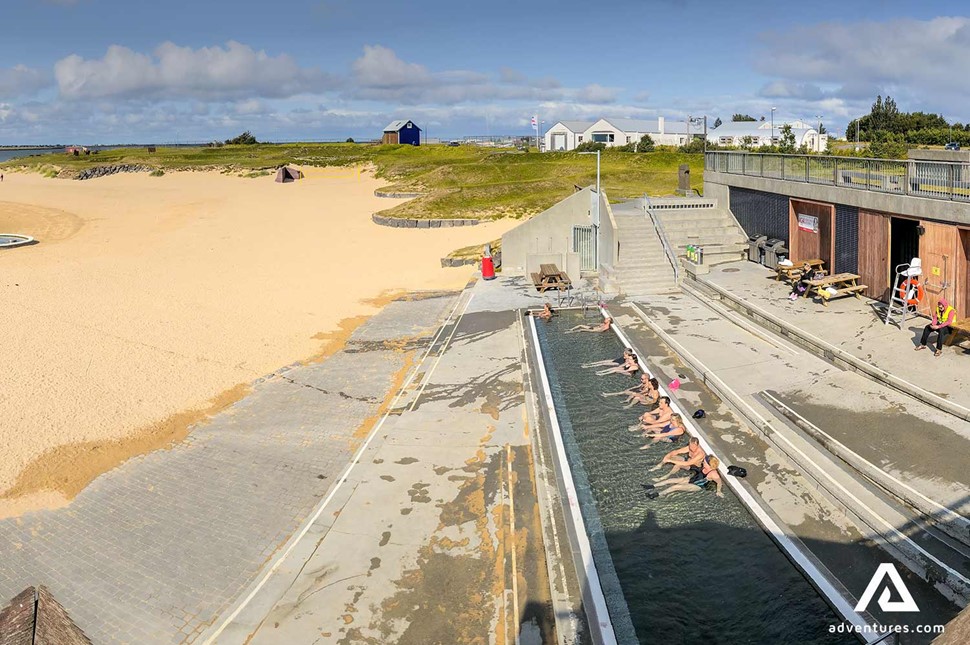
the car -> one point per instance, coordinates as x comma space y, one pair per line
454, 144
953, 145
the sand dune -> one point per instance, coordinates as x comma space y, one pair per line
149, 299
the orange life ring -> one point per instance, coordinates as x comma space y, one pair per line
911, 285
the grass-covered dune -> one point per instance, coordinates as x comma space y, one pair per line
464, 181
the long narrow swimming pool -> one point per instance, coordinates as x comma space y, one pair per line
686, 568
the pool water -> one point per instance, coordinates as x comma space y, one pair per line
690, 566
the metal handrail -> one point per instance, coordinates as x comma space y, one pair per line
662, 234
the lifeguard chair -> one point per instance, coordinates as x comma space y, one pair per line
907, 292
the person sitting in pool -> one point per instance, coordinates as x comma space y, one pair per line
682, 458
546, 313
655, 419
701, 475
647, 395
603, 326
671, 433
631, 365
610, 362
636, 389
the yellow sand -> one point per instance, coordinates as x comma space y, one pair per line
151, 299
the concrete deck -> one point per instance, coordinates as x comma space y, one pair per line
853, 330
416, 540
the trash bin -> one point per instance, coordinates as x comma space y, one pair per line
774, 251
756, 248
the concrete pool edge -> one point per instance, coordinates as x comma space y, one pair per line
786, 540
597, 612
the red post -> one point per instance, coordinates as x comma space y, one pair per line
488, 268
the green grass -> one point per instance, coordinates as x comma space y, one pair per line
463, 181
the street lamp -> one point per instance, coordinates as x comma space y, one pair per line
596, 220
773, 126
818, 147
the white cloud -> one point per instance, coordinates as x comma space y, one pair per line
173, 72
21, 80
596, 93
380, 68
918, 61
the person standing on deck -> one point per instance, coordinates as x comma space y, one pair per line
943, 317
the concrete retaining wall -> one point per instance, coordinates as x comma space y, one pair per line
393, 195
400, 222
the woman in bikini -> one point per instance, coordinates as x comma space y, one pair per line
603, 326
671, 433
610, 362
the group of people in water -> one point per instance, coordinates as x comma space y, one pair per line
691, 469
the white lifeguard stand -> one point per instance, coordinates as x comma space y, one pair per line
899, 304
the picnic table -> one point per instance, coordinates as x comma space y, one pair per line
550, 277
958, 327
794, 272
845, 284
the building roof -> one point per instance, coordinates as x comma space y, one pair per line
752, 128
649, 125
575, 126
394, 126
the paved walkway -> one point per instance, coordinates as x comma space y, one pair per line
434, 536
857, 327
156, 549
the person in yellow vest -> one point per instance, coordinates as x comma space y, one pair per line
943, 317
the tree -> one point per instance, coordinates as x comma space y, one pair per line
246, 139
787, 143
717, 122
743, 117
645, 144
350, 140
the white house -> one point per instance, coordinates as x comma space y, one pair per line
566, 135
753, 134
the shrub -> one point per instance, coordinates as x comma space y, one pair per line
590, 146
246, 139
350, 140
158, 172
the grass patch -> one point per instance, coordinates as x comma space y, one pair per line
461, 182
158, 172
474, 252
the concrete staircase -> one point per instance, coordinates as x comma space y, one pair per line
713, 229
642, 267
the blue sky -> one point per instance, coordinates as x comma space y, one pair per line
149, 70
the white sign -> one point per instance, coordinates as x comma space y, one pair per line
905, 603
808, 223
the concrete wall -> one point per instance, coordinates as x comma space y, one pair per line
607, 233
716, 184
547, 237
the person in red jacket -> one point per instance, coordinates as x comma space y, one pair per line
943, 318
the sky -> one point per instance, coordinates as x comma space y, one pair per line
117, 71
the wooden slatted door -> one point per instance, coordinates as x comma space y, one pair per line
874, 266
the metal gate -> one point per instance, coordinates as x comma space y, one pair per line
584, 243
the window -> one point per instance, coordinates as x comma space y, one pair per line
409, 124
628, 139
579, 138
603, 137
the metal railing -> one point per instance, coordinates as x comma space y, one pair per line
662, 234
931, 179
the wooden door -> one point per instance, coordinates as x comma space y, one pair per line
810, 244
874, 254
962, 303
938, 252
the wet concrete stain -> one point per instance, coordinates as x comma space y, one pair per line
406, 511
385, 538
419, 493
404, 461
375, 563
388, 478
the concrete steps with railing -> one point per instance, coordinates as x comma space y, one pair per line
713, 229
642, 266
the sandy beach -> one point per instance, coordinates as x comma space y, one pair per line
151, 302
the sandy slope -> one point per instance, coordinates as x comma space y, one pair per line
149, 299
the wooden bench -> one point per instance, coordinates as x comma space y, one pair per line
550, 277
794, 272
961, 326
845, 284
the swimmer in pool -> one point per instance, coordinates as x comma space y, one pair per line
682, 458
655, 419
700, 478
546, 314
603, 326
631, 365
636, 389
610, 362
670, 433
648, 395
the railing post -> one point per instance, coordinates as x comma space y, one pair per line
906, 189
868, 174
835, 171
808, 160
783, 166
952, 181
761, 165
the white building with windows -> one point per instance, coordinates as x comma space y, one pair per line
753, 134
566, 135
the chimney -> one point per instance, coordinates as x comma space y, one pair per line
660, 124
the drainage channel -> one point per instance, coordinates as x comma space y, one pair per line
689, 566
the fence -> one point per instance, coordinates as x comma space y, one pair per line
932, 179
